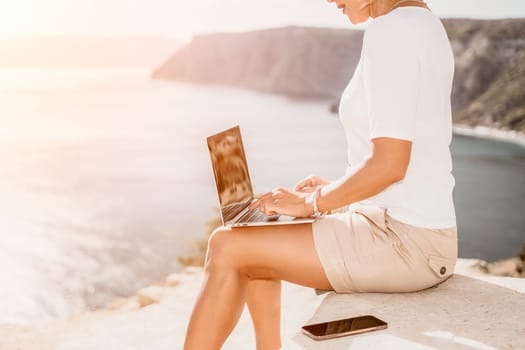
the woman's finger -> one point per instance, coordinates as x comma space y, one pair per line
302, 185
280, 193
254, 204
307, 189
257, 201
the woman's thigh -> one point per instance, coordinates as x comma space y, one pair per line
285, 252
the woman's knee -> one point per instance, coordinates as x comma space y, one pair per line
219, 253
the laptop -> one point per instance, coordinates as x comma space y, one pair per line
234, 186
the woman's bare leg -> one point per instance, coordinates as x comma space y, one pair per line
264, 302
234, 257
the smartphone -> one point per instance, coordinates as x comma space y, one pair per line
347, 326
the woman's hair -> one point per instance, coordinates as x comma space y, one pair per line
373, 4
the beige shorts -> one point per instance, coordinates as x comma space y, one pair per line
363, 249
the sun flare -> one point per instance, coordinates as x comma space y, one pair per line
17, 16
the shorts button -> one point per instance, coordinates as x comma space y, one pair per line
443, 270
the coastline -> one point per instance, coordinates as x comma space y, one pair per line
485, 132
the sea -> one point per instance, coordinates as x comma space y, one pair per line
105, 179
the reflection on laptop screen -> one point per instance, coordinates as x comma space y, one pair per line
230, 170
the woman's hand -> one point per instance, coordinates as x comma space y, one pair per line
282, 201
309, 184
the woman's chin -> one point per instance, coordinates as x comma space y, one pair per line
352, 20
355, 20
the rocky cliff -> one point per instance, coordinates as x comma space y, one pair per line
489, 83
297, 61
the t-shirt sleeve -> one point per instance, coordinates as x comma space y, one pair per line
391, 79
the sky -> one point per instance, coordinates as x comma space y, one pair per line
184, 18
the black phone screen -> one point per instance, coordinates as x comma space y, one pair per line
347, 325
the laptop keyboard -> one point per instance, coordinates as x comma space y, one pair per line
230, 211
255, 215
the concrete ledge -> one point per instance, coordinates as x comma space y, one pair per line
464, 312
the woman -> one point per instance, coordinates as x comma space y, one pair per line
387, 225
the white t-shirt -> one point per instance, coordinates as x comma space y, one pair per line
401, 88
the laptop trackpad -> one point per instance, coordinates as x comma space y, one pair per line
285, 218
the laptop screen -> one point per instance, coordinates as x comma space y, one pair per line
231, 172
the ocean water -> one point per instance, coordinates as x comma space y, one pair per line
106, 179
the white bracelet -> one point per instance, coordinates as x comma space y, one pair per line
315, 197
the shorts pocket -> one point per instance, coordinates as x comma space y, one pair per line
442, 267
